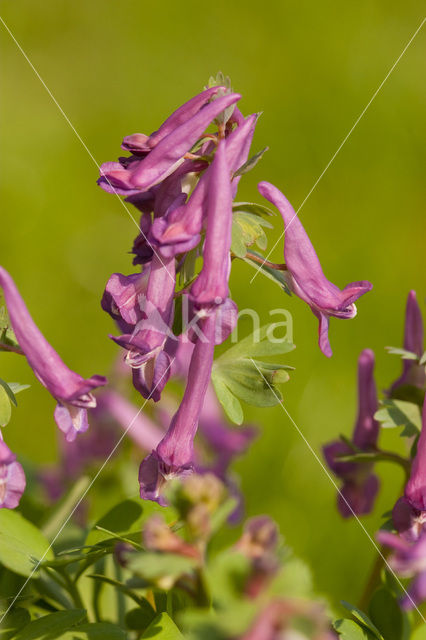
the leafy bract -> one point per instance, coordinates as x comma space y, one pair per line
239, 375
399, 413
251, 163
247, 227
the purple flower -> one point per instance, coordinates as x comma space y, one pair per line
180, 230
140, 174
12, 478
360, 485
174, 456
211, 285
140, 144
123, 298
72, 392
408, 521
409, 561
412, 373
149, 334
415, 490
305, 275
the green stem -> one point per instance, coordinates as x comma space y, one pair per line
272, 265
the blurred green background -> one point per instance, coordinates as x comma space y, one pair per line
311, 67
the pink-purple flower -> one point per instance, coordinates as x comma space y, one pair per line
360, 485
412, 373
72, 392
12, 478
174, 455
305, 275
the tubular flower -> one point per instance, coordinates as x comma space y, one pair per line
415, 490
123, 298
151, 331
174, 456
305, 275
180, 230
134, 174
409, 561
211, 286
72, 392
412, 373
360, 485
12, 478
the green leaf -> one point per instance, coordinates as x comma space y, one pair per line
138, 619
238, 376
7, 387
250, 164
279, 277
94, 631
159, 568
405, 355
7, 335
231, 404
16, 387
163, 628
363, 619
22, 545
120, 586
253, 207
14, 620
227, 576
51, 626
350, 630
5, 407
398, 413
419, 633
247, 230
422, 360
386, 615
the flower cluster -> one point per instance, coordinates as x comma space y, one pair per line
183, 178
353, 461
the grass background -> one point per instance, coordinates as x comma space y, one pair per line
118, 68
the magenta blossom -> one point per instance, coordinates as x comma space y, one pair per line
124, 296
156, 313
12, 478
72, 392
305, 275
141, 173
415, 491
174, 456
360, 485
180, 229
412, 373
139, 144
409, 513
409, 561
211, 285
